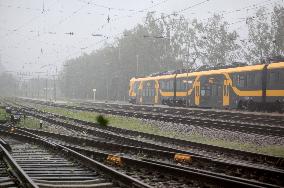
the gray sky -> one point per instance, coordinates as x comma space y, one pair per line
32, 32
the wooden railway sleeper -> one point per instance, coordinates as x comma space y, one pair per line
173, 140
122, 178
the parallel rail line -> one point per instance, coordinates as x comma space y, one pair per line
11, 173
211, 121
195, 162
165, 173
237, 116
238, 154
108, 132
248, 117
59, 166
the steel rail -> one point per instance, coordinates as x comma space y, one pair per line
188, 119
192, 120
220, 165
276, 161
211, 178
197, 160
227, 181
238, 116
17, 171
261, 118
121, 178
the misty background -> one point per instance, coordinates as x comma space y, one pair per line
52, 49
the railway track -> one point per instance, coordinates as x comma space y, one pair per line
196, 163
237, 116
219, 121
5, 178
47, 164
165, 174
47, 168
10, 174
120, 139
151, 173
154, 141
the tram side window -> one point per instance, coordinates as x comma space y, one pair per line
281, 77
235, 80
178, 86
136, 86
147, 92
183, 84
208, 91
251, 80
214, 90
241, 80
167, 84
162, 84
186, 83
274, 77
171, 85
205, 91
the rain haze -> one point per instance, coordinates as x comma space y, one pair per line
35, 33
142, 93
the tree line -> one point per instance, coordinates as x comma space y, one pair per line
164, 43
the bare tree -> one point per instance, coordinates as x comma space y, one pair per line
218, 45
266, 35
277, 23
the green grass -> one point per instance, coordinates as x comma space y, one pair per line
141, 126
29, 122
3, 115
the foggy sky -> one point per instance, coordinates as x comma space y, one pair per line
33, 32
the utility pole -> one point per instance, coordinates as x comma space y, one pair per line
46, 86
54, 88
137, 64
107, 88
54, 84
119, 73
38, 86
187, 81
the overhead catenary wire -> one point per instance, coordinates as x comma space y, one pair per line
119, 9
130, 15
107, 37
182, 10
160, 36
25, 24
113, 36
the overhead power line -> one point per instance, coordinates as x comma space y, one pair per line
24, 25
136, 12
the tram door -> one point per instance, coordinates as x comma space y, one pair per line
215, 92
148, 92
197, 93
226, 93
211, 91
